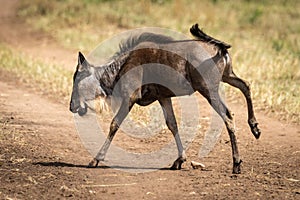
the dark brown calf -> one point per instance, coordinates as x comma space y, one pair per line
152, 67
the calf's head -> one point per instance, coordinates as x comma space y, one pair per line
86, 86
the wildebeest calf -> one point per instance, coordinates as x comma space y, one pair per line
152, 67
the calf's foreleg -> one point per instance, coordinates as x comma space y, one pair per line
167, 107
114, 126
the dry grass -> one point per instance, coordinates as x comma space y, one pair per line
264, 34
49, 79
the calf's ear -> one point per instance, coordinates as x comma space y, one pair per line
82, 62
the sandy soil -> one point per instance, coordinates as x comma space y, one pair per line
42, 157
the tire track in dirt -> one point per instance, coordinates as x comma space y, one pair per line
46, 159
19, 36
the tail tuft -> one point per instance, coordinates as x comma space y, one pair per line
199, 34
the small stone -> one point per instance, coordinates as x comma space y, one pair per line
197, 165
92, 192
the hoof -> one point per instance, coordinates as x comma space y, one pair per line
93, 163
177, 164
237, 167
255, 130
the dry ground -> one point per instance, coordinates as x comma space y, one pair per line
41, 156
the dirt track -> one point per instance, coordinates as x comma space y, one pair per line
41, 156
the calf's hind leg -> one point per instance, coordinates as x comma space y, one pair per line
215, 101
244, 86
167, 107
